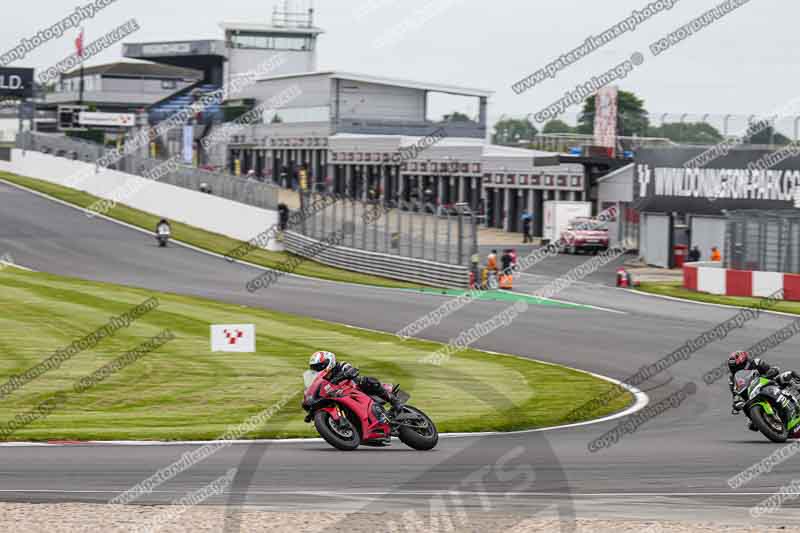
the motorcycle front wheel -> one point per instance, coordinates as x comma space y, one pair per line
341, 434
769, 425
420, 433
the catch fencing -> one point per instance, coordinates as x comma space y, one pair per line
408, 229
767, 241
245, 191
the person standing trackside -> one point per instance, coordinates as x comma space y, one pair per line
715, 254
694, 254
526, 229
491, 261
491, 270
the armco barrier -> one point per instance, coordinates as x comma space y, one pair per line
389, 266
714, 279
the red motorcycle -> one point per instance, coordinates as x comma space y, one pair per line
346, 417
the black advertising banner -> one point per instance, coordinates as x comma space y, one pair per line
16, 82
706, 180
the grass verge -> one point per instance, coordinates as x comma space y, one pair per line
202, 238
184, 391
675, 289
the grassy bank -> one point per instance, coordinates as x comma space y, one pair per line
184, 391
202, 238
676, 290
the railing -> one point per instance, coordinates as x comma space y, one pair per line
444, 235
379, 264
767, 241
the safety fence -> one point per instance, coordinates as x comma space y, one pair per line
172, 172
379, 264
762, 240
408, 229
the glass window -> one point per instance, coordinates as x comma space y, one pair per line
271, 42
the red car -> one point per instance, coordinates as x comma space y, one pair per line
585, 234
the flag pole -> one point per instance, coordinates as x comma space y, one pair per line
80, 58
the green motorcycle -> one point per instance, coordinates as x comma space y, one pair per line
774, 411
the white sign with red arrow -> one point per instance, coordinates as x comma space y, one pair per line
233, 338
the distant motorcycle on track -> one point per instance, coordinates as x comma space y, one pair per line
346, 417
163, 233
774, 411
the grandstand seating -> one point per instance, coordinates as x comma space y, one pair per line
168, 107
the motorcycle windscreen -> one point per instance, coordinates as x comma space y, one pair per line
308, 378
742, 379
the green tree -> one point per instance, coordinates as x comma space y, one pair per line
557, 126
768, 135
511, 131
455, 116
276, 119
632, 116
690, 133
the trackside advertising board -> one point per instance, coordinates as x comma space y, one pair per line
114, 120
16, 82
233, 338
695, 180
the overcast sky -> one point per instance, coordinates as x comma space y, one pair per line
746, 63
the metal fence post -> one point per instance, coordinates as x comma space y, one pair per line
424, 227
352, 223
436, 239
375, 226
411, 220
334, 209
449, 231
312, 215
303, 204
400, 230
364, 211
474, 247
460, 238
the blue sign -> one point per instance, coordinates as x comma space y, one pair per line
188, 145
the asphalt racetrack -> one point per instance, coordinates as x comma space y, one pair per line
674, 466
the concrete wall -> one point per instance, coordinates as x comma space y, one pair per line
313, 91
204, 211
360, 100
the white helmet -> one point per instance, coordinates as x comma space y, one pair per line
322, 361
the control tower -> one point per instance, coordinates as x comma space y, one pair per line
291, 35
286, 45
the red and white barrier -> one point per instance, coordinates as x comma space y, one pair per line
712, 278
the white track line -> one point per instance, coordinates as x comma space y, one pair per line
641, 401
14, 265
606, 309
417, 493
641, 398
727, 306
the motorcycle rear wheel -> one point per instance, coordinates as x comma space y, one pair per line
419, 439
767, 428
333, 435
